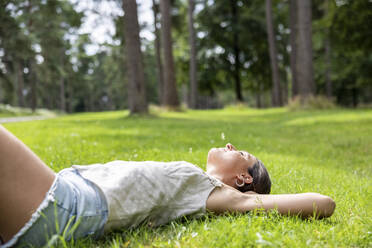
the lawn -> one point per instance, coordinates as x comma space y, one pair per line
7, 111
327, 151
5, 115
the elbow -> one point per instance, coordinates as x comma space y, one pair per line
326, 206
331, 205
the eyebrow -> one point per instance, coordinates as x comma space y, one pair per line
246, 154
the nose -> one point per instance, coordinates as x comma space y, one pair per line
230, 147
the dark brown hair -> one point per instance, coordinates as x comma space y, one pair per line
261, 180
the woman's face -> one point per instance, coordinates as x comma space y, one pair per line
229, 164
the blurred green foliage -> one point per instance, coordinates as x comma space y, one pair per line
42, 52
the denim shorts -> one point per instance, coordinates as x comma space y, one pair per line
73, 208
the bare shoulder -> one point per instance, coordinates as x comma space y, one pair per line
226, 198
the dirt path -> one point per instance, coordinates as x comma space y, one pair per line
22, 118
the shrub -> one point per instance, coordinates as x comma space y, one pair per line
310, 103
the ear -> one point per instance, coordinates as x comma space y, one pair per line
248, 179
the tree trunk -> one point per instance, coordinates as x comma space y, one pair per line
293, 39
328, 59
304, 53
170, 90
1, 92
33, 86
9, 83
136, 78
355, 95
159, 64
193, 80
235, 18
258, 96
276, 94
20, 84
62, 85
70, 107
284, 87
62, 94
49, 102
91, 105
110, 101
32, 68
328, 68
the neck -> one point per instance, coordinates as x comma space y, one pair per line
213, 173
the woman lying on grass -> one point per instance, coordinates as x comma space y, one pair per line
37, 204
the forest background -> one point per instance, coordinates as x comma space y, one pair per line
204, 53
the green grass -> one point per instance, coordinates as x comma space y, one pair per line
327, 151
11, 111
10, 114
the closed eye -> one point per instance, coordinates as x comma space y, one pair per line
244, 154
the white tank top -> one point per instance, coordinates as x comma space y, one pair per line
153, 192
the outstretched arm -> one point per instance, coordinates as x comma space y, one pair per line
228, 199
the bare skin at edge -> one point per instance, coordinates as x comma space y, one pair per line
25, 180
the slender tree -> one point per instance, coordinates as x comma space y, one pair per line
285, 89
170, 90
20, 82
62, 83
193, 79
236, 48
293, 39
31, 64
327, 48
276, 96
136, 81
33, 85
259, 96
328, 68
159, 65
304, 51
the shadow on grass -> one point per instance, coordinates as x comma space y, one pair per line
242, 118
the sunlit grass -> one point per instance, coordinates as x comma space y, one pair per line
11, 111
325, 151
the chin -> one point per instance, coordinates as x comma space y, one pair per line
214, 152
210, 153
